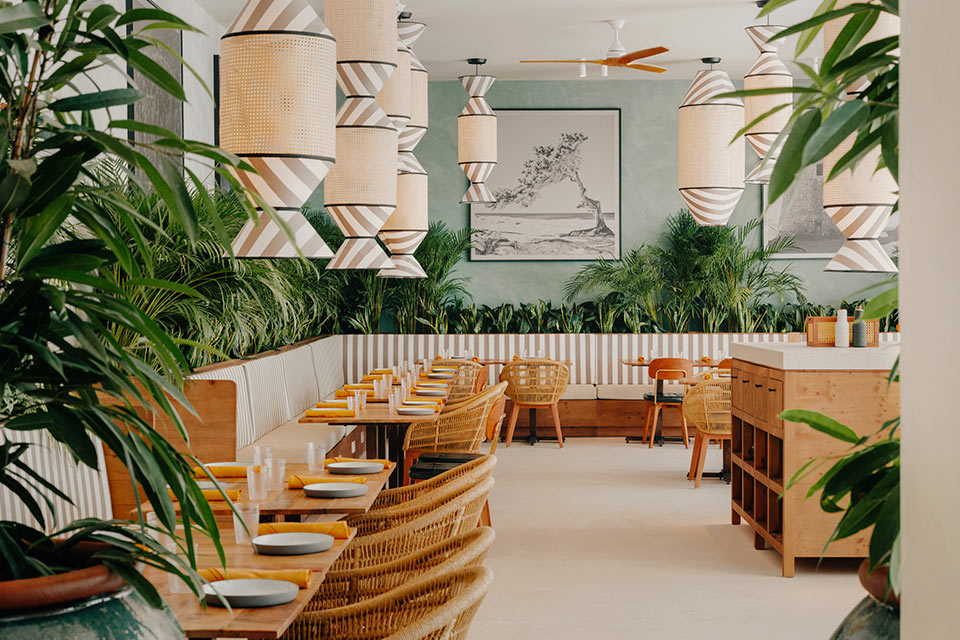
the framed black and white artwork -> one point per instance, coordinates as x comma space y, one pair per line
799, 214
557, 186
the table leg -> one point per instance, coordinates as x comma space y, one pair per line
533, 427
373, 440
394, 433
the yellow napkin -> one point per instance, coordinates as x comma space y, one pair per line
330, 413
297, 481
338, 530
516, 357
343, 393
707, 359
358, 387
640, 358
332, 404
419, 388
475, 359
381, 372
386, 463
212, 495
224, 471
707, 376
371, 378
300, 577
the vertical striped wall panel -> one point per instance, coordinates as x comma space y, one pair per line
268, 400
328, 364
87, 487
299, 380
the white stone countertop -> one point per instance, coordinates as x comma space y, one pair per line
797, 356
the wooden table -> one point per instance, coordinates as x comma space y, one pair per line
532, 439
259, 622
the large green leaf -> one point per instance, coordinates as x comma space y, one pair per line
98, 100
822, 423
790, 161
39, 229
838, 126
23, 15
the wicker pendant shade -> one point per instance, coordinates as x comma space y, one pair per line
361, 190
407, 226
886, 26
277, 112
711, 167
768, 72
477, 139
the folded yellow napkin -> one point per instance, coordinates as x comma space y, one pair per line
224, 471
330, 413
707, 359
386, 463
475, 359
707, 376
297, 481
338, 530
381, 372
418, 388
358, 387
371, 378
300, 577
343, 393
332, 404
212, 495
516, 357
640, 358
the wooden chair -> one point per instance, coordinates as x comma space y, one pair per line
341, 588
463, 429
662, 369
707, 405
532, 384
465, 382
439, 606
453, 518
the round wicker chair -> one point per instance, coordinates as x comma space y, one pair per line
341, 588
435, 607
707, 405
456, 516
532, 384
481, 468
466, 381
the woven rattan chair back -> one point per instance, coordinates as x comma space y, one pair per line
461, 429
456, 516
535, 382
464, 382
348, 587
707, 405
481, 468
433, 608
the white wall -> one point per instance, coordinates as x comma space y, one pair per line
930, 306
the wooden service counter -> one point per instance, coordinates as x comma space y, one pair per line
849, 385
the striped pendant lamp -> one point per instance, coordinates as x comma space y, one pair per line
768, 72
477, 136
361, 191
282, 124
860, 202
711, 167
406, 227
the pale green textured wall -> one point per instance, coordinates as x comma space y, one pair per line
648, 181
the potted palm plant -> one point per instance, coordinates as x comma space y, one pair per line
65, 381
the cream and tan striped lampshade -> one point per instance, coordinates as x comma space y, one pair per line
886, 26
361, 190
711, 167
477, 139
394, 98
277, 112
768, 72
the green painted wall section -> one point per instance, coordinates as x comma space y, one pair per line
648, 180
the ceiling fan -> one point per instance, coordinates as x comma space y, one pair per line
617, 56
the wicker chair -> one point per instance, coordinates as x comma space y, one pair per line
535, 383
376, 521
456, 516
707, 405
482, 467
341, 588
464, 384
662, 369
462, 429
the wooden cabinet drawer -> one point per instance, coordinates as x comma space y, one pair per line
774, 402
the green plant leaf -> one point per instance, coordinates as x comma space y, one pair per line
882, 304
20, 16
838, 126
98, 100
38, 229
822, 423
790, 160
14, 189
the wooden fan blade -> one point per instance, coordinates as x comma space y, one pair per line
644, 67
563, 61
643, 53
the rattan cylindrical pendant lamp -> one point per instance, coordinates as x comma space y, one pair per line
360, 192
860, 201
277, 112
768, 72
477, 136
407, 226
711, 167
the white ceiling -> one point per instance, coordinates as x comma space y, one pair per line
506, 31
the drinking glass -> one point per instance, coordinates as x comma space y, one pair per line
256, 482
316, 455
257, 455
387, 383
275, 470
350, 403
358, 397
392, 402
426, 365
542, 353
247, 513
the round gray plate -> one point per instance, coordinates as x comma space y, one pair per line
433, 385
415, 411
335, 490
440, 375
249, 592
431, 392
419, 403
348, 468
292, 544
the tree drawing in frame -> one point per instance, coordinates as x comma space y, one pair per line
557, 188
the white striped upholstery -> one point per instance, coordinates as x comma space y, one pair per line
268, 401
238, 375
299, 380
329, 364
87, 487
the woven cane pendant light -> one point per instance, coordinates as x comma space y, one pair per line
860, 201
360, 192
711, 167
406, 227
277, 112
768, 72
477, 136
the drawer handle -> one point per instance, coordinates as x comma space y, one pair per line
758, 385
772, 390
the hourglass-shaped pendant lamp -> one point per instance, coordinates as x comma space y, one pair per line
477, 136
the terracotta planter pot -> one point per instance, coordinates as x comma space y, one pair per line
54, 591
876, 584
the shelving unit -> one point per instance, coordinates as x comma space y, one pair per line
766, 452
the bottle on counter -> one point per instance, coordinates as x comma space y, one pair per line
858, 336
841, 335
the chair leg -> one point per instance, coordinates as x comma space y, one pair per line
556, 424
683, 425
653, 425
701, 460
409, 458
697, 444
646, 422
514, 413
485, 520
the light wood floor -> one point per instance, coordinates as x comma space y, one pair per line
605, 539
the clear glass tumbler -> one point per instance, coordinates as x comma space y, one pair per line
257, 482
316, 457
257, 455
247, 513
275, 470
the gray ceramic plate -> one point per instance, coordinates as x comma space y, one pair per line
415, 411
250, 592
335, 490
431, 392
348, 468
433, 385
439, 374
419, 403
292, 544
